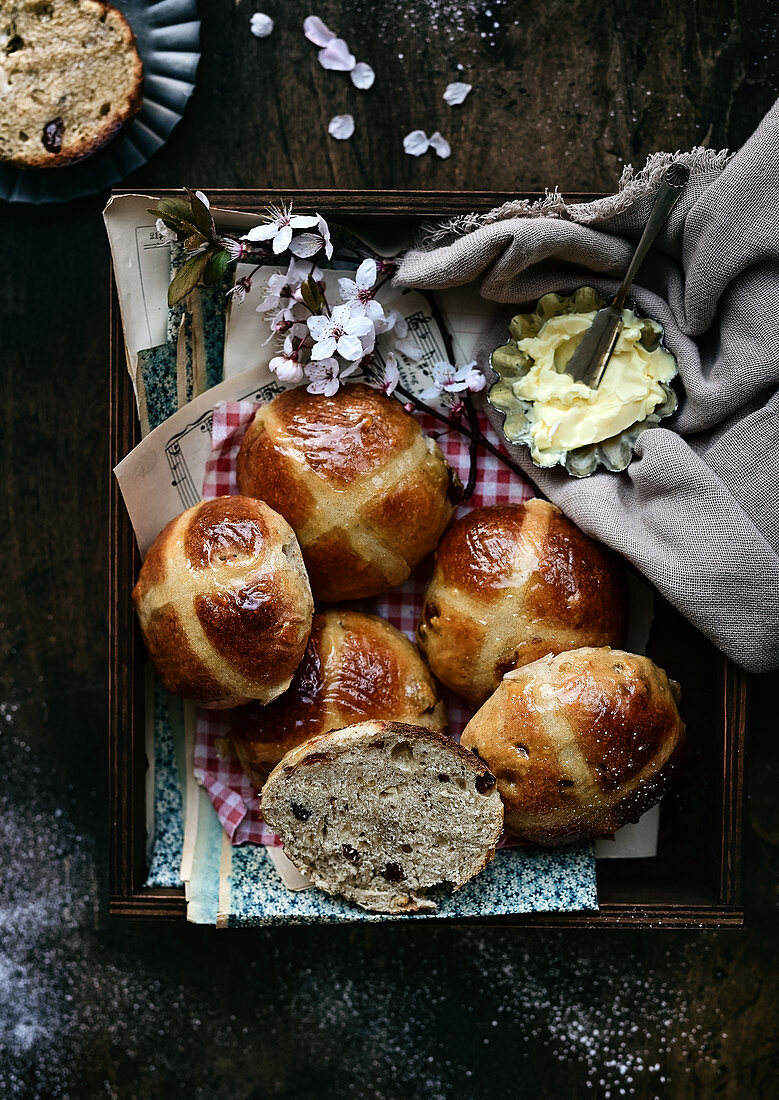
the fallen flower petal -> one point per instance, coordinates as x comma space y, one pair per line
261, 25
363, 76
416, 143
456, 93
410, 349
316, 32
441, 145
341, 127
336, 56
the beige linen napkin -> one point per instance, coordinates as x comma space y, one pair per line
697, 511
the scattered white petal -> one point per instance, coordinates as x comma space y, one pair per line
261, 24
363, 76
416, 143
336, 56
203, 199
341, 127
316, 32
456, 93
441, 145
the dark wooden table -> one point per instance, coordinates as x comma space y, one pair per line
566, 94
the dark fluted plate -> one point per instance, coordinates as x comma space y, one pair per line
168, 36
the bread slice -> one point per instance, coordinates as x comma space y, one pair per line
382, 812
70, 76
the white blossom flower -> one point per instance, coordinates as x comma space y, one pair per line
285, 321
282, 287
416, 143
237, 249
448, 380
390, 378
278, 228
287, 366
316, 32
168, 236
261, 24
308, 244
340, 333
456, 93
241, 288
363, 76
356, 292
203, 199
336, 56
326, 376
341, 127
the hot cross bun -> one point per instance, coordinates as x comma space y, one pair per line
581, 743
224, 603
355, 667
366, 492
512, 583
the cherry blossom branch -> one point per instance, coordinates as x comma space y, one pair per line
473, 420
477, 436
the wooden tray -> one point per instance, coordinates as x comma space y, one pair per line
694, 881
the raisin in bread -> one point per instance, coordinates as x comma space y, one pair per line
70, 76
383, 812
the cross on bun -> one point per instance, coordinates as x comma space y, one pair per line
355, 667
511, 584
581, 743
366, 492
224, 603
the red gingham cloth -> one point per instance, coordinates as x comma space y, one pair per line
234, 798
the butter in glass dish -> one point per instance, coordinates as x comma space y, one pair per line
565, 422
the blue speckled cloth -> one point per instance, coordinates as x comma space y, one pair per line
167, 788
517, 881
238, 887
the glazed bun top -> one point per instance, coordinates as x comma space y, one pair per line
366, 492
355, 667
224, 602
511, 584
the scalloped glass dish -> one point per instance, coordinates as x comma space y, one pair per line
509, 363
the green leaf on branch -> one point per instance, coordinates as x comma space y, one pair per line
187, 277
195, 241
179, 226
312, 295
174, 208
218, 262
201, 215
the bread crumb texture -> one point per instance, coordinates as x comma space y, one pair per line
383, 812
70, 76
